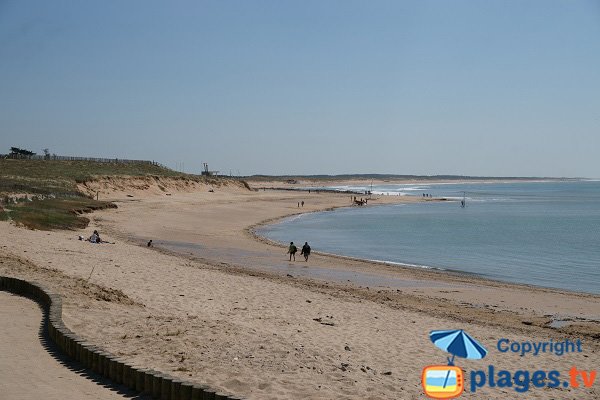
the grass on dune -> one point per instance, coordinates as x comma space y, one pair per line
57, 203
55, 182
61, 177
57, 213
3, 214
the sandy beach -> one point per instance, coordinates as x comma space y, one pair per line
215, 304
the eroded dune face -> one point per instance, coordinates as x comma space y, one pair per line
153, 185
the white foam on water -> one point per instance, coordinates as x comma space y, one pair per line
294, 217
415, 188
406, 264
382, 193
344, 187
380, 189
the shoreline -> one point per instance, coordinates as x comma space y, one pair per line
454, 273
451, 271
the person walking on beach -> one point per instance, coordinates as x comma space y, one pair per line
292, 251
305, 251
302, 203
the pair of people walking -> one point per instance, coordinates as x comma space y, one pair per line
293, 249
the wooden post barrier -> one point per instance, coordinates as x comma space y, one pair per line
152, 383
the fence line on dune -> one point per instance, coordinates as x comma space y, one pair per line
70, 158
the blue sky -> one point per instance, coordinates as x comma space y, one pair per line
308, 87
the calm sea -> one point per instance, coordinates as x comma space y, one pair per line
541, 233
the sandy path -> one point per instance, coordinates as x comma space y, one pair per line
27, 370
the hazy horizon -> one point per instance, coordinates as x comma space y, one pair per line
436, 176
302, 88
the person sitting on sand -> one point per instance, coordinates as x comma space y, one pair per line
95, 238
150, 243
305, 251
292, 251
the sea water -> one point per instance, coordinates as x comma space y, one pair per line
540, 233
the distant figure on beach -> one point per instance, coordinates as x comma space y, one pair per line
305, 251
150, 243
292, 251
95, 238
302, 203
298, 204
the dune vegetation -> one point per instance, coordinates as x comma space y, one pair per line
43, 194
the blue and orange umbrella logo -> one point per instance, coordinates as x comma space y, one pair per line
447, 381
